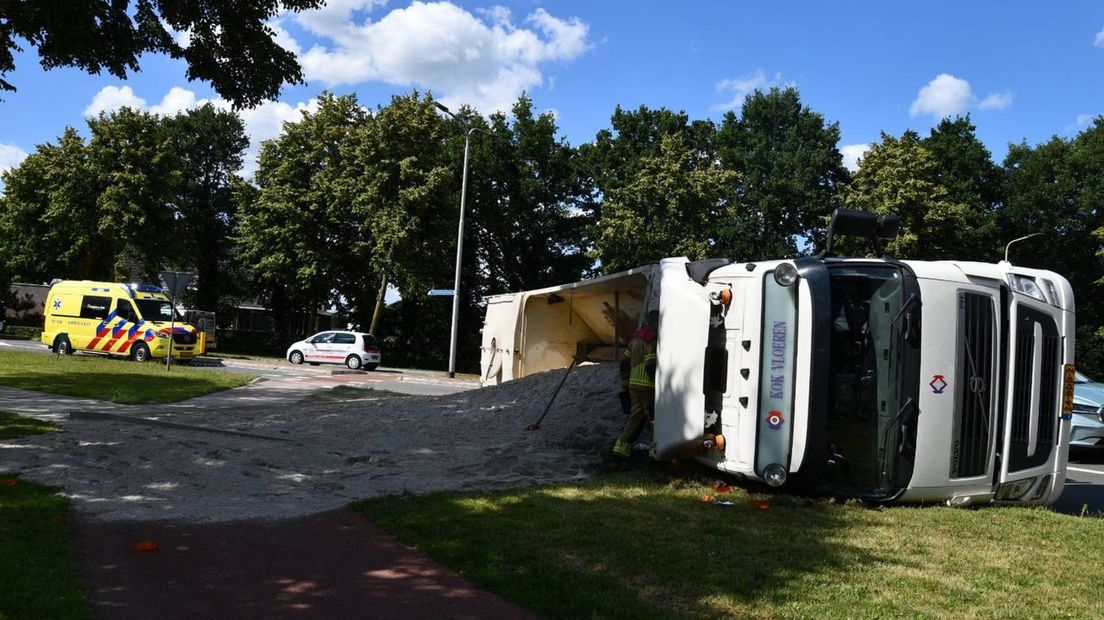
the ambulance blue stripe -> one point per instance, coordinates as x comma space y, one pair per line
110, 318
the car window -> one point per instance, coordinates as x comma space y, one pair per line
1080, 378
344, 339
125, 309
94, 307
370, 342
323, 338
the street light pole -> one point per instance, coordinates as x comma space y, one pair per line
459, 245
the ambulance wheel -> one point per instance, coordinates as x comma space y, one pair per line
296, 357
353, 362
370, 366
140, 352
63, 346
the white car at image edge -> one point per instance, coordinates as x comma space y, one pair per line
354, 349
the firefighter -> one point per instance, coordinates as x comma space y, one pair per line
638, 369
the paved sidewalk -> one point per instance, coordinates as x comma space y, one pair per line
332, 565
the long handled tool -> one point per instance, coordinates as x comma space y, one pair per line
536, 425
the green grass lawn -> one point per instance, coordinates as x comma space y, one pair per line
38, 577
102, 378
641, 545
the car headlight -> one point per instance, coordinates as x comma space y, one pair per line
161, 335
1027, 286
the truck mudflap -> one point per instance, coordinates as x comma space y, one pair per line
680, 369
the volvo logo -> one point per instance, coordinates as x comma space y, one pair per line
977, 385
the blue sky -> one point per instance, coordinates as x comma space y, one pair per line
1022, 71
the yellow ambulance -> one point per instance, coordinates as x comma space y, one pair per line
116, 319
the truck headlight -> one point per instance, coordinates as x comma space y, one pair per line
774, 475
1027, 286
785, 274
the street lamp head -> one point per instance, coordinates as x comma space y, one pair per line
440, 106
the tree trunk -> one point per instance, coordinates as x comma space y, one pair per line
378, 312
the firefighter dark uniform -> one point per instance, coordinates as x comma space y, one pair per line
638, 369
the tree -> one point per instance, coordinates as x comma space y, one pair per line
791, 171
301, 235
528, 227
966, 169
230, 43
130, 156
405, 198
207, 146
49, 222
668, 208
98, 210
900, 176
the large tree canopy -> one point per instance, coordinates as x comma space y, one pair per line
229, 43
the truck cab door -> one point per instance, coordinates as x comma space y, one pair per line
1032, 398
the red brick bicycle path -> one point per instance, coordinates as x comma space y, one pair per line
330, 565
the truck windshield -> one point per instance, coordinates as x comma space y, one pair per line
157, 310
866, 401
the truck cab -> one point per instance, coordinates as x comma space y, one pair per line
879, 379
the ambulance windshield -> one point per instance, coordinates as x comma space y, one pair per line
866, 397
157, 310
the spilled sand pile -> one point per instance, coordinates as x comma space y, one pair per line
334, 452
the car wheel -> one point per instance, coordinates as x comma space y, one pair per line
296, 357
62, 346
353, 362
370, 366
140, 352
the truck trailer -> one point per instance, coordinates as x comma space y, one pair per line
874, 378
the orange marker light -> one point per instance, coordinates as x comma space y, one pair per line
146, 545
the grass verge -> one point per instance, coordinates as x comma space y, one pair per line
37, 571
639, 545
114, 380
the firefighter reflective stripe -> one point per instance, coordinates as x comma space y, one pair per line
639, 375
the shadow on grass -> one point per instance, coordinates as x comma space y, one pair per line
126, 388
633, 547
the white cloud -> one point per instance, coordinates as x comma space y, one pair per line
996, 101
1084, 119
484, 62
175, 101
284, 39
944, 96
743, 86
10, 156
111, 98
262, 123
1099, 40
852, 153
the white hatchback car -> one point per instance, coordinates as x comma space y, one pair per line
354, 349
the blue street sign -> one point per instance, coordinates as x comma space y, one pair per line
441, 292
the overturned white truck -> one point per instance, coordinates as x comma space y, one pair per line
880, 379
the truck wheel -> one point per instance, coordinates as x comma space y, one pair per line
140, 352
353, 362
63, 346
296, 357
